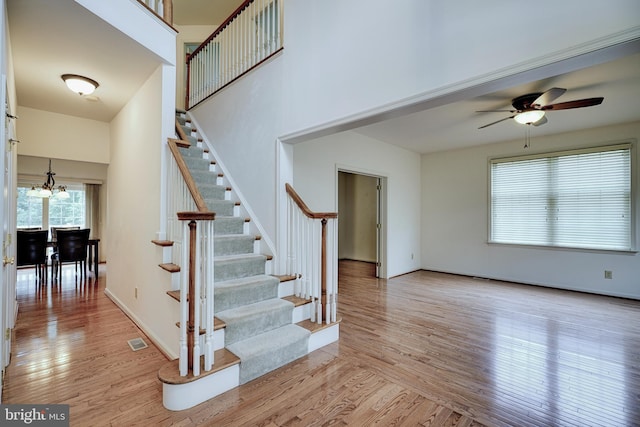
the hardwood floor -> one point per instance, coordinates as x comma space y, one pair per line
421, 349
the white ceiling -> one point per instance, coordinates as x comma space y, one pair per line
203, 12
455, 125
51, 38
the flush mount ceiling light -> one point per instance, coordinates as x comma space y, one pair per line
79, 84
529, 117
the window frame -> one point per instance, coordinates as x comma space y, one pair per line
629, 144
46, 214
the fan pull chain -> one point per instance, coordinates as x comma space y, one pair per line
527, 136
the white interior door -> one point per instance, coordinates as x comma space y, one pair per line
8, 302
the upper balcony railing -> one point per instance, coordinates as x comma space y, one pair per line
251, 35
162, 8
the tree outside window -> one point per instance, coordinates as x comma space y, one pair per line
51, 212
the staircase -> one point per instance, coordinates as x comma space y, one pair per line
255, 312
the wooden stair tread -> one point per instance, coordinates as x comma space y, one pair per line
170, 372
217, 324
163, 243
315, 327
284, 277
170, 267
297, 301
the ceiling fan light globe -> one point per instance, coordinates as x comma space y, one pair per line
529, 117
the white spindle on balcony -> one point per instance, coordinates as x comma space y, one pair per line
248, 37
162, 8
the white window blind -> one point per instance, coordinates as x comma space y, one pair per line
578, 199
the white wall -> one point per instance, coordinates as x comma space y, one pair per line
349, 59
58, 136
243, 122
316, 165
138, 140
455, 222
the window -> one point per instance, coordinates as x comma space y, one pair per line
51, 212
577, 199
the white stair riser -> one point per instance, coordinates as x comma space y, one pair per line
286, 289
302, 312
185, 396
218, 339
178, 397
324, 337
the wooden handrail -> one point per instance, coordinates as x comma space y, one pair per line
305, 209
221, 27
323, 217
201, 205
196, 216
181, 133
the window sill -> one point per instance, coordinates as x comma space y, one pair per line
566, 248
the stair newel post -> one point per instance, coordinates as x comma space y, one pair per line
192, 288
192, 292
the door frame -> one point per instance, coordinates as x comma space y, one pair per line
381, 214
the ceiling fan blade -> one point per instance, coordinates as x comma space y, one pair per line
496, 111
498, 121
578, 103
548, 96
540, 122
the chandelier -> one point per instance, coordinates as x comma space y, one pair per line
48, 188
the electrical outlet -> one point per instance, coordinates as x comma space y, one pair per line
608, 274
135, 292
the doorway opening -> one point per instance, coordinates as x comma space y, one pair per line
362, 229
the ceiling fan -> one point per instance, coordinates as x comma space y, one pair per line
530, 108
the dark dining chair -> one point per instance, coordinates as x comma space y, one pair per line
32, 250
54, 231
71, 246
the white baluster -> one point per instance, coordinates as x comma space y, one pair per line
183, 362
209, 283
197, 302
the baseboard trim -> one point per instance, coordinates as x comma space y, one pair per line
164, 349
